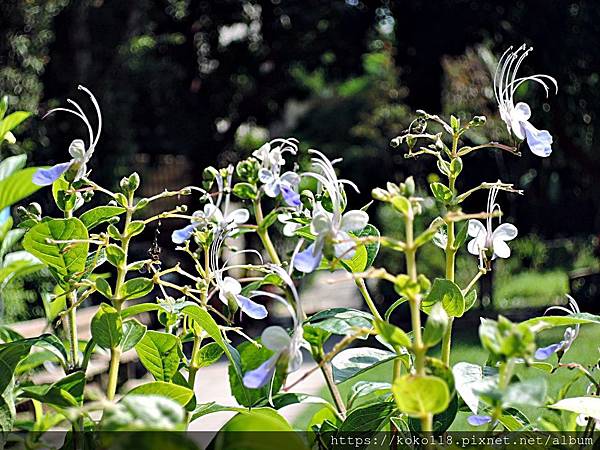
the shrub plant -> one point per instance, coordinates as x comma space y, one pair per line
198, 301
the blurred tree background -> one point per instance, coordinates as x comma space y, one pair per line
188, 83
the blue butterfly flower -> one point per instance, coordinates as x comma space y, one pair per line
77, 166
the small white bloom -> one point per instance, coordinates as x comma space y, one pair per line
516, 117
487, 241
330, 226
80, 156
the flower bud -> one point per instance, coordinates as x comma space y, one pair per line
380, 194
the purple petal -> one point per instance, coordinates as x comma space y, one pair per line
546, 352
183, 234
4, 215
306, 261
260, 376
291, 197
477, 421
45, 177
252, 309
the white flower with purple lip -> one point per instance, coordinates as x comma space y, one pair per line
276, 183
330, 227
516, 117
212, 214
80, 156
286, 349
487, 241
569, 336
229, 289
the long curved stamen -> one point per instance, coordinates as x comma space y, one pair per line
511, 92
98, 112
497, 79
538, 78
85, 120
80, 115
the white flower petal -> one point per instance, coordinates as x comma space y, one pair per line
265, 176
238, 216
77, 150
539, 141
354, 220
321, 224
475, 246
290, 177
231, 286
476, 228
275, 338
505, 232
501, 249
345, 247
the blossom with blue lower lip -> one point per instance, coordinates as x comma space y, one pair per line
4, 215
516, 117
211, 215
230, 290
276, 183
487, 241
330, 227
286, 349
80, 156
569, 336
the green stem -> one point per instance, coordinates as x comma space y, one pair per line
72, 324
263, 234
113, 373
362, 287
447, 342
333, 389
115, 353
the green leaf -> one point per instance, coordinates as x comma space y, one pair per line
587, 406
448, 294
115, 255
135, 228
365, 254
363, 388
436, 325
471, 379
208, 354
136, 288
245, 191
204, 409
392, 334
10, 356
67, 261
65, 200
367, 420
340, 321
354, 361
104, 288
142, 413
11, 164
140, 308
284, 399
107, 327
101, 214
441, 192
455, 123
17, 186
11, 121
160, 353
133, 332
545, 322
420, 395
461, 235
470, 299
67, 392
441, 422
179, 394
531, 392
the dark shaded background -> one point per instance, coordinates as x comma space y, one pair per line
184, 84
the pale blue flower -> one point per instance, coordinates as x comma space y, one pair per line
286, 349
79, 155
330, 227
4, 215
276, 183
516, 117
569, 336
478, 420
